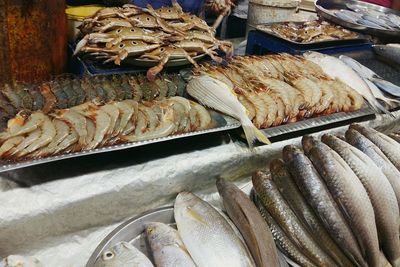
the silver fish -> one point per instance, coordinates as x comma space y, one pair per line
208, 237
380, 192
167, 246
350, 195
388, 51
377, 21
367, 73
337, 69
370, 24
123, 255
386, 144
346, 16
365, 145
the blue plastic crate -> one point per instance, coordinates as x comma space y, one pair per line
259, 43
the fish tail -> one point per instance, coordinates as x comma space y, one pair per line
380, 109
252, 133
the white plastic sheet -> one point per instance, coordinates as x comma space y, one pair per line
61, 222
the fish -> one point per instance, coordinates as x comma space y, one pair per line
282, 240
346, 16
376, 21
123, 254
387, 145
318, 197
250, 223
220, 96
367, 73
273, 201
380, 193
391, 102
208, 237
365, 145
349, 193
337, 69
289, 190
166, 246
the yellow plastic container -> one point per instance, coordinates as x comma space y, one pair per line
75, 17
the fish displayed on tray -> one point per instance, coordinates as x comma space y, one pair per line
389, 51
160, 35
198, 234
364, 16
309, 32
335, 202
68, 91
273, 90
34, 135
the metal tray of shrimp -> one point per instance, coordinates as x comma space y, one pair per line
318, 122
325, 9
220, 123
266, 28
132, 231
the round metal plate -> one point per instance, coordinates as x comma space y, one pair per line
324, 9
132, 231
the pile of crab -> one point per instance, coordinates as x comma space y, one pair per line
114, 34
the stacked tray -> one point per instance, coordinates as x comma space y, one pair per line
325, 9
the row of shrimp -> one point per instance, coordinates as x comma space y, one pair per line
281, 88
68, 91
167, 33
34, 135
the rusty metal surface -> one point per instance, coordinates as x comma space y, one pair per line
32, 39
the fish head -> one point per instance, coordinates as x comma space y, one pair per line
120, 254
289, 152
160, 235
353, 136
277, 166
308, 143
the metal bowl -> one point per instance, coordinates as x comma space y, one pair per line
324, 8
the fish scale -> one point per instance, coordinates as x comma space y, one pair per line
317, 195
348, 192
287, 220
209, 238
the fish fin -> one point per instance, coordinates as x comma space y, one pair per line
252, 133
379, 108
196, 216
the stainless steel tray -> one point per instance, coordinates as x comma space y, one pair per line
324, 9
132, 231
310, 123
223, 123
264, 28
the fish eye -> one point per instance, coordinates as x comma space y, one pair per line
135, 43
121, 45
119, 30
161, 49
169, 10
132, 30
108, 255
148, 18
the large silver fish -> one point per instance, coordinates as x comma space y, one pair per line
380, 192
280, 211
388, 51
123, 255
317, 195
167, 247
337, 69
365, 145
349, 194
250, 223
386, 144
208, 237
367, 73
